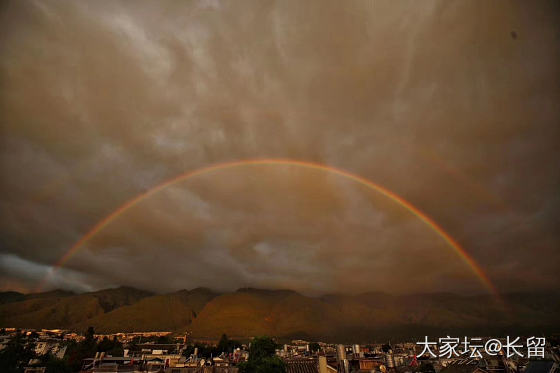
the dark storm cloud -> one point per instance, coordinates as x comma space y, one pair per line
435, 101
21, 274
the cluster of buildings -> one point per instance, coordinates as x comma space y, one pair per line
46, 340
350, 358
300, 356
304, 357
132, 336
404, 358
164, 358
43, 334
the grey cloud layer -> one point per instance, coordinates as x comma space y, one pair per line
434, 100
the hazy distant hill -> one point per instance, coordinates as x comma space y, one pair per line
59, 309
283, 313
14, 296
11, 296
159, 312
373, 316
249, 312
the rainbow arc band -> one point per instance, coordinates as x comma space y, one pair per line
466, 258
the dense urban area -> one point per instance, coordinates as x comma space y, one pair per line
45, 351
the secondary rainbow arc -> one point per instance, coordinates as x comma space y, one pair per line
466, 258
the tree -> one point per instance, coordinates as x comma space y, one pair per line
223, 343
90, 333
267, 365
262, 347
16, 355
133, 346
204, 350
164, 339
262, 358
76, 352
314, 347
226, 345
111, 347
55, 365
425, 368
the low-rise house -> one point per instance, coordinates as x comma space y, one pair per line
34, 370
466, 366
53, 347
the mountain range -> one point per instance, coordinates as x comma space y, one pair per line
286, 314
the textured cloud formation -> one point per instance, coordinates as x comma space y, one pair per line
21, 274
452, 105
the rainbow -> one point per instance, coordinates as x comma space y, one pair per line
466, 258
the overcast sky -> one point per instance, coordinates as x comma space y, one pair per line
453, 105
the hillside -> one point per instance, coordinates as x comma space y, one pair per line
249, 312
59, 309
283, 313
11, 296
371, 316
159, 312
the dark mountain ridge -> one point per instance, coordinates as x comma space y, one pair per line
284, 313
